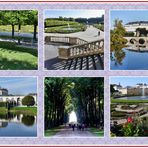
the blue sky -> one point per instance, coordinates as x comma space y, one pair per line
128, 15
19, 85
128, 81
73, 13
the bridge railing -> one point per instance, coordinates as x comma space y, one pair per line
64, 39
86, 49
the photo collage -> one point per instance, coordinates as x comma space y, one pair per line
73, 74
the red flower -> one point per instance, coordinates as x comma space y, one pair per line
129, 120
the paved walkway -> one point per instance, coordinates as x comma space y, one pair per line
68, 132
30, 35
90, 34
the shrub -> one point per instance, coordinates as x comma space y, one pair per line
3, 104
28, 101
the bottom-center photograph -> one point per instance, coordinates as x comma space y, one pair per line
74, 106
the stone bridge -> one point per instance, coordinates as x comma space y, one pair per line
16, 99
140, 43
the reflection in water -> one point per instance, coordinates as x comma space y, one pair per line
118, 54
124, 59
10, 123
3, 124
28, 120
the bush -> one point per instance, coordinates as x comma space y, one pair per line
129, 34
28, 101
3, 104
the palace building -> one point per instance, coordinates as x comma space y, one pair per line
17, 99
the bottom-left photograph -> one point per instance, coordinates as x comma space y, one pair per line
18, 106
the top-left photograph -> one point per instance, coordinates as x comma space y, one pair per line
18, 40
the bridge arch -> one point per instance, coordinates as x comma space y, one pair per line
132, 41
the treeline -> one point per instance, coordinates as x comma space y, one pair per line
19, 18
95, 20
90, 101
83, 95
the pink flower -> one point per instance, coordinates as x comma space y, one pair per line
129, 120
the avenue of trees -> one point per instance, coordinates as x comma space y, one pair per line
85, 96
19, 18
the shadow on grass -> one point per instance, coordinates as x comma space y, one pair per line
5, 64
12, 47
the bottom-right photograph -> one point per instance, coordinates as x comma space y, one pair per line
129, 106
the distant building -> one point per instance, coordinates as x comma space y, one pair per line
132, 26
136, 90
3, 92
120, 89
17, 99
117, 87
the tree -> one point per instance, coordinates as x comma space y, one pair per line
33, 20
28, 101
83, 95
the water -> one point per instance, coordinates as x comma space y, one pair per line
134, 98
12, 125
129, 60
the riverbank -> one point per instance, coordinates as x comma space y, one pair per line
20, 110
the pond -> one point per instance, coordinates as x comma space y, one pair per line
12, 125
134, 98
125, 59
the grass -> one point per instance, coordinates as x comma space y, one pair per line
25, 110
17, 58
96, 132
128, 101
57, 26
3, 110
99, 26
25, 29
52, 131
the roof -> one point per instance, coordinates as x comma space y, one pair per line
137, 22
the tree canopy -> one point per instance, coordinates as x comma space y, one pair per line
83, 95
19, 17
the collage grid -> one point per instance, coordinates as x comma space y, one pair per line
41, 73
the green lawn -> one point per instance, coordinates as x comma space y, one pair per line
99, 26
3, 110
58, 26
53, 131
17, 58
96, 132
128, 101
25, 110
25, 29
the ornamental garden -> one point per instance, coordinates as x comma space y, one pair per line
129, 106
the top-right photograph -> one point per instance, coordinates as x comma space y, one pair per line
129, 40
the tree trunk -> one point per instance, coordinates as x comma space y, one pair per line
12, 31
35, 31
19, 38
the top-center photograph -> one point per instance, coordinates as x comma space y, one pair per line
74, 39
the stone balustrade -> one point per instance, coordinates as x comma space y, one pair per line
86, 49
